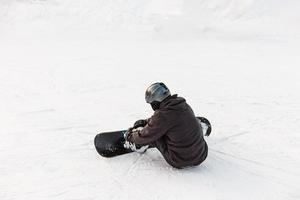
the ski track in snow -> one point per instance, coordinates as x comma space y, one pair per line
71, 69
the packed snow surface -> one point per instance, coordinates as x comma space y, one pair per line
70, 69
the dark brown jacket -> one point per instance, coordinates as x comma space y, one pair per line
175, 131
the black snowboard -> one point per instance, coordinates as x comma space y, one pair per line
110, 144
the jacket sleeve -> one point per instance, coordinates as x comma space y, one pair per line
157, 126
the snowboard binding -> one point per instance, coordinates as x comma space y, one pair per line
132, 146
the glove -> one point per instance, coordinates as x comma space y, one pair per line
140, 123
131, 131
128, 133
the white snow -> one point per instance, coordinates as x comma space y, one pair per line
72, 68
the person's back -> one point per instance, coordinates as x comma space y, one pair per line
183, 143
175, 131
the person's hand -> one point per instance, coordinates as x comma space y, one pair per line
128, 133
140, 123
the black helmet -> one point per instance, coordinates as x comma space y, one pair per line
156, 93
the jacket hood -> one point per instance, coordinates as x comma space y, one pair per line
173, 103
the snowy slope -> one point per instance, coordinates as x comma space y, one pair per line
70, 69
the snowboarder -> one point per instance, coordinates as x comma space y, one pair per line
173, 129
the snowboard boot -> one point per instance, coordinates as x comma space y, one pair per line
205, 124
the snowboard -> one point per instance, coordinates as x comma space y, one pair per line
111, 144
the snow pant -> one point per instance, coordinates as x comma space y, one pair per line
160, 144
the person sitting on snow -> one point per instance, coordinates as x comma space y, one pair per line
173, 129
